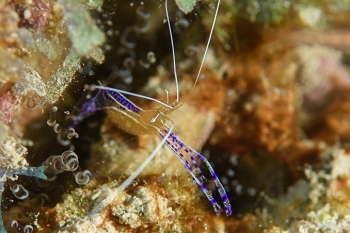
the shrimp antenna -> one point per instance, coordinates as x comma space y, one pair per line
207, 47
173, 52
111, 196
132, 94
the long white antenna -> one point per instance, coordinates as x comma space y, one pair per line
173, 51
207, 47
112, 195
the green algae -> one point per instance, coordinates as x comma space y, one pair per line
186, 6
64, 75
84, 33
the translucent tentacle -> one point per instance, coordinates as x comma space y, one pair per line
26, 171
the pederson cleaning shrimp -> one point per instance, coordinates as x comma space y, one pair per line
137, 121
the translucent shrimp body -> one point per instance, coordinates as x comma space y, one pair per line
137, 121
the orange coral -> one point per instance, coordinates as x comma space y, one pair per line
259, 107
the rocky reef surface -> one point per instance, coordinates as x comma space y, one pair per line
270, 111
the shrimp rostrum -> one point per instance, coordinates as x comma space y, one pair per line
135, 120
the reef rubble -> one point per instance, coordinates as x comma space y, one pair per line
270, 111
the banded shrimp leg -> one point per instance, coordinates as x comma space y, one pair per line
176, 145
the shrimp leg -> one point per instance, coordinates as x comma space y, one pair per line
176, 146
